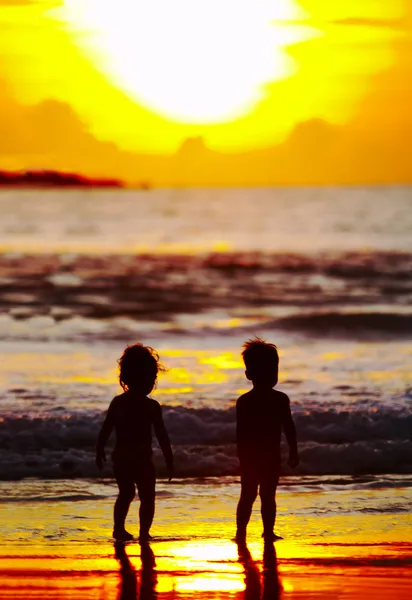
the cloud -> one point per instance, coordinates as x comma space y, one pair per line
16, 3
372, 22
13, 3
51, 135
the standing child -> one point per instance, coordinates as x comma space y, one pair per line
261, 415
132, 415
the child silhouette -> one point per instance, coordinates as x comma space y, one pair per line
261, 415
132, 415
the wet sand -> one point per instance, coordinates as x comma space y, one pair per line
211, 569
339, 543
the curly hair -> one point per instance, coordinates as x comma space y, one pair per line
259, 356
138, 368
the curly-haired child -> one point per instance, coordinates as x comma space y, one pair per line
132, 415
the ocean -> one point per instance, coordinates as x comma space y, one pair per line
324, 273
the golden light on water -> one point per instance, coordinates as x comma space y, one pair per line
203, 562
190, 568
196, 62
211, 583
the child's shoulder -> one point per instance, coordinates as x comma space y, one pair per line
123, 403
118, 399
251, 396
280, 396
116, 403
281, 400
244, 398
154, 404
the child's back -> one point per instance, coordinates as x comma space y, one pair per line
132, 418
132, 415
261, 416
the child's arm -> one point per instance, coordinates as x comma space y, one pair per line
163, 440
290, 433
104, 435
241, 429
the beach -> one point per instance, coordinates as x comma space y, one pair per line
326, 275
342, 539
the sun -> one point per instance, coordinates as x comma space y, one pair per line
191, 61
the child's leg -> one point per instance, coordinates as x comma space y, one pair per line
146, 483
125, 482
248, 493
267, 494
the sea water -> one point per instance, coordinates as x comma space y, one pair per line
323, 273
344, 537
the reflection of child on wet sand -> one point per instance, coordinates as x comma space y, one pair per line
132, 415
261, 415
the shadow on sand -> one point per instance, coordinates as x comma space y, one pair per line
130, 587
267, 587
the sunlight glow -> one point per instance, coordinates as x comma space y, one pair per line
196, 62
210, 583
220, 558
226, 360
138, 73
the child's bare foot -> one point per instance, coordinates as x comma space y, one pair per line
270, 536
122, 536
145, 538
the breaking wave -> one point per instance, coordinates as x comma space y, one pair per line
331, 442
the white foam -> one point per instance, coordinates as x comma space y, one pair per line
65, 279
204, 444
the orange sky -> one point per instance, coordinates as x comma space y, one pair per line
246, 92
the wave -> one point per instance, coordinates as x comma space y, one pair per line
48, 499
348, 324
159, 287
344, 325
331, 442
210, 426
211, 461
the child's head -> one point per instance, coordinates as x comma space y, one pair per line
138, 368
261, 361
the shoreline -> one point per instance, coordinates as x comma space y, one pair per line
340, 542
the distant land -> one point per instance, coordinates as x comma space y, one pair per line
316, 153
53, 179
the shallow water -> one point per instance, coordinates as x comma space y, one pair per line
366, 509
56, 541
